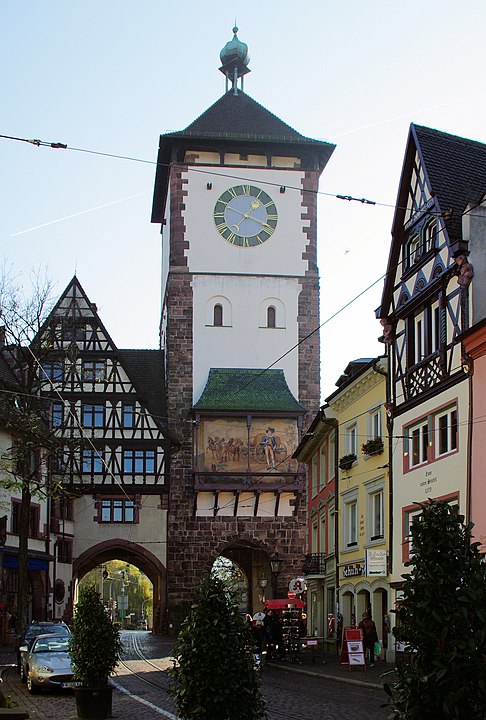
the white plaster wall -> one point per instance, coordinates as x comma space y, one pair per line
244, 343
432, 480
208, 252
152, 526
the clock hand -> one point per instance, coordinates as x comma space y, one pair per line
254, 206
262, 222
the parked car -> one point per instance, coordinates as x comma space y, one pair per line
35, 628
45, 663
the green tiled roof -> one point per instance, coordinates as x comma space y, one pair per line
250, 390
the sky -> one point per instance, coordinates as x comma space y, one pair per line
110, 77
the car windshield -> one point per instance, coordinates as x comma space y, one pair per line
50, 644
35, 630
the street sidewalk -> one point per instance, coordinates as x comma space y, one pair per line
314, 662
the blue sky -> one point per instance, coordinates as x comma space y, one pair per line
112, 76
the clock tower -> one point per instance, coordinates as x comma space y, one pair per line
235, 194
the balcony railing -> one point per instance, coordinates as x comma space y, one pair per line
314, 564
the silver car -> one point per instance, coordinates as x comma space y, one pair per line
45, 663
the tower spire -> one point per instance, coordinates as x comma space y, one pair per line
234, 58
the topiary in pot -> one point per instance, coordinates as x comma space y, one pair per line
214, 676
94, 649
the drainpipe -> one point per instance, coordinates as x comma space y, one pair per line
389, 424
336, 525
48, 560
468, 366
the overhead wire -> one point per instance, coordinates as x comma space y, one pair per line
57, 145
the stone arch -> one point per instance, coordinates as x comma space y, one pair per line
134, 554
252, 555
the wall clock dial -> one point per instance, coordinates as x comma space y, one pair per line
245, 216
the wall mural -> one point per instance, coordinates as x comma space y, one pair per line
229, 446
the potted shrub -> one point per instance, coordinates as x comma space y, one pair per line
94, 649
347, 461
373, 446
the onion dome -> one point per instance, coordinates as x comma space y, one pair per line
234, 60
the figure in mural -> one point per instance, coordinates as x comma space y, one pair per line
269, 444
465, 271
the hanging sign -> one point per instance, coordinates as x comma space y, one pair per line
376, 563
297, 585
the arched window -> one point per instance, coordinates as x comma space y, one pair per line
218, 315
271, 317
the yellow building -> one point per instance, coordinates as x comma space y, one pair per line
362, 496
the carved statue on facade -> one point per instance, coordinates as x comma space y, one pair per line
465, 271
388, 331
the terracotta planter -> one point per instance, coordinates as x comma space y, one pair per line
94, 703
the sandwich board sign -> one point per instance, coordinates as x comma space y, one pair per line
352, 650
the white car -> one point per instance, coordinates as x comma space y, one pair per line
45, 663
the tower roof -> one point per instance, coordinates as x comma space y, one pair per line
240, 123
236, 389
240, 117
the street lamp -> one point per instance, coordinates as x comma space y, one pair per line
263, 584
276, 566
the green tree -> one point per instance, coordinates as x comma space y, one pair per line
214, 677
442, 619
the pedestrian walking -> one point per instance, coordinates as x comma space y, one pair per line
370, 636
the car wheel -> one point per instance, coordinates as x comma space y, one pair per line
31, 687
22, 674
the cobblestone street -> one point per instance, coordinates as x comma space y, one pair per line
318, 690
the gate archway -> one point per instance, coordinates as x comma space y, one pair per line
253, 559
132, 554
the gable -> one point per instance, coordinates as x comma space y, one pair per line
441, 174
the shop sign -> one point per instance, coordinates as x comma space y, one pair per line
376, 563
297, 585
353, 570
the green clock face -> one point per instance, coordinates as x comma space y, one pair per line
245, 216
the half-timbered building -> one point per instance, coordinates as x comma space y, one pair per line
425, 309
111, 402
235, 195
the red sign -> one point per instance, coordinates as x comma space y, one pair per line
290, 595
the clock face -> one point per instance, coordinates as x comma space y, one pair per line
245, 216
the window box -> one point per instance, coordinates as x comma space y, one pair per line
373, 447
347, 461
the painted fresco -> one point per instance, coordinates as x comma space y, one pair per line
223, 445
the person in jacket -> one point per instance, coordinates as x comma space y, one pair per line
370, 636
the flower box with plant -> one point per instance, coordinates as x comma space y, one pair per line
373, 446
94, 649
347, 461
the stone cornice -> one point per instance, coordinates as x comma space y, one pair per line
356, 390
